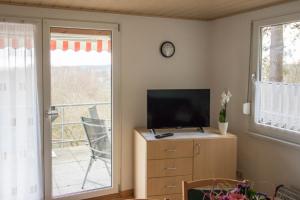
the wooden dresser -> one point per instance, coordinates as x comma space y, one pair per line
161, 165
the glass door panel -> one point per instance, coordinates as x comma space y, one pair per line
81, 110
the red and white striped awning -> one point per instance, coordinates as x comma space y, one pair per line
64, 45
16, 43
96, 45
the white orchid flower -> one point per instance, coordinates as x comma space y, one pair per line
225, 98
229, 95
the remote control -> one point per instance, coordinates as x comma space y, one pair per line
163, 135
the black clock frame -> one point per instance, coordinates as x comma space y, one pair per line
161, 49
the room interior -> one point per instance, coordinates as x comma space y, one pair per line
214, 49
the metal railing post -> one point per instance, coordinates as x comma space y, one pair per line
62, 126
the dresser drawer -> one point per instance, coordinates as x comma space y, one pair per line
167, 197
169, 149
170, 167
167, 185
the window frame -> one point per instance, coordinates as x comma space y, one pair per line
281, 134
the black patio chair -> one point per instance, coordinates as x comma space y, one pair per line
99, 142
93, 112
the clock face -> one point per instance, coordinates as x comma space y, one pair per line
167, 49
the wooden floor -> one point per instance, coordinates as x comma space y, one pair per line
127, 194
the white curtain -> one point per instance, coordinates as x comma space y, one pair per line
278, 105
20, 131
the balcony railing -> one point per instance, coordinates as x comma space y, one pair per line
63, 122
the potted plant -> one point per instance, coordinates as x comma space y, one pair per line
223, 123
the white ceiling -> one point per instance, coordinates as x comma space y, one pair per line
187, 9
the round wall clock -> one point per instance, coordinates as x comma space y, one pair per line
167, 49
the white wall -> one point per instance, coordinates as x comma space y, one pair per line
208, 54
259, 160
142, 67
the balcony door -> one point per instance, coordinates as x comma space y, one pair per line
80, 101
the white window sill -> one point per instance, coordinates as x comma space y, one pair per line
272, 139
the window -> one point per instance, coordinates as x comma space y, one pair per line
276, 54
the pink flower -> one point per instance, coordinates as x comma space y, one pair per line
236, 196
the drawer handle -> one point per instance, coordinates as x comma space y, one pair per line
170, 168
170, 186
170, 150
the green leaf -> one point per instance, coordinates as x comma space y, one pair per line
222, 116
251, 194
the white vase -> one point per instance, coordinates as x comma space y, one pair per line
223, 126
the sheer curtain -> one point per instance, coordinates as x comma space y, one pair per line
20, 131
278, 105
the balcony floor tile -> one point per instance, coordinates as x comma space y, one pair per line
69, 168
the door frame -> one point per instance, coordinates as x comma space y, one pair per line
116, 108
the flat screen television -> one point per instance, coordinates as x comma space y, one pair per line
178, 108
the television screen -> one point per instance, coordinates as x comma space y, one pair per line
178, 108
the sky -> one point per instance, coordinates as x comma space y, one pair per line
79, 58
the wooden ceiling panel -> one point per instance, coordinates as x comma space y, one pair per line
187, 9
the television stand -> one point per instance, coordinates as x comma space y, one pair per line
162, 164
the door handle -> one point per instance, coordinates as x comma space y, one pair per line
52, 112
197, 149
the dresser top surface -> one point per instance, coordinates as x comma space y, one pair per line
148, 135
